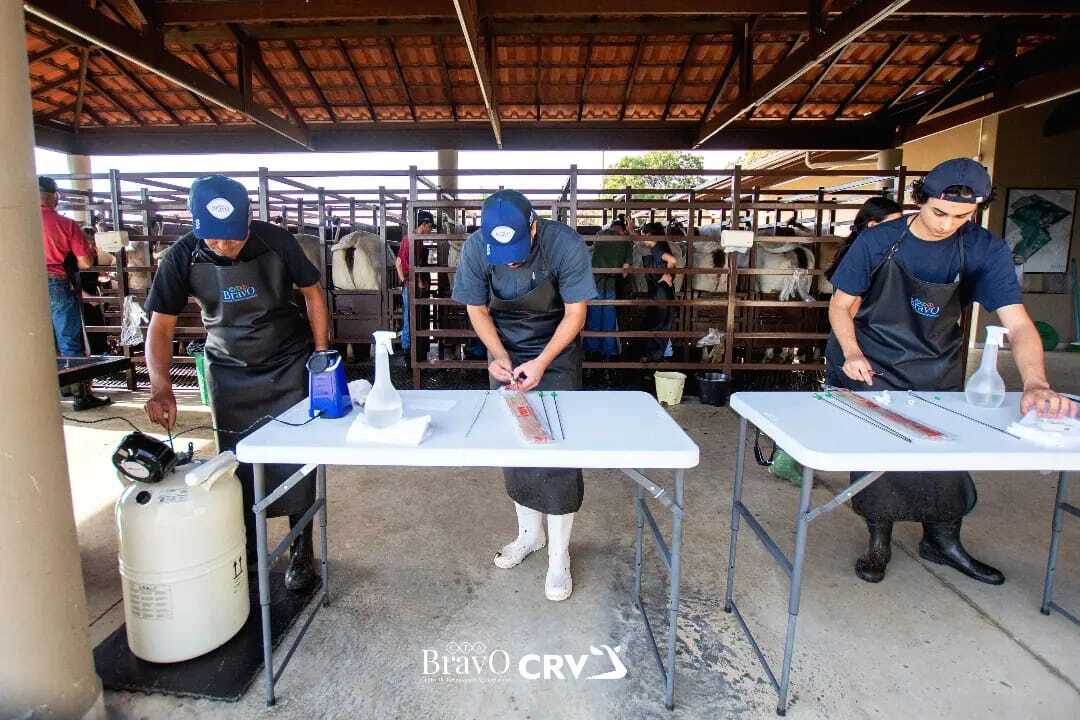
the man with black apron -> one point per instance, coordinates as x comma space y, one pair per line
526, 282
914, 277
242, 274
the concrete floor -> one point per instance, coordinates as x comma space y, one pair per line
411, 551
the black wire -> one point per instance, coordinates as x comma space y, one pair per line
172, 437
101, 420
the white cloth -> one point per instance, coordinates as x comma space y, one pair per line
358, 391
1050, 432
408, 432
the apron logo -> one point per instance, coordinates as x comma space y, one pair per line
503, 234
236, 293
925, 308
220, 208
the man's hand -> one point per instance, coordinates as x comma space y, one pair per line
502, 370
625, 269
528, 374
1046, 403
161, 408
857, 367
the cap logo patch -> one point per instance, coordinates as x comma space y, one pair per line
220, 208
503, 234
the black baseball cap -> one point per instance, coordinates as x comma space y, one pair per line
423, 216
963, 172
46, 184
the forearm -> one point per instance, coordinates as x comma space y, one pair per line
159, 357
480, 318
1027, 352
565, 333
400, 271
843, 327
318, 316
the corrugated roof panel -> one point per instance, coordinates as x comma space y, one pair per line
558, 112
393, 113
512, 112
351, 113
472, 112
596, 111
643, 111
434, 113
686, 111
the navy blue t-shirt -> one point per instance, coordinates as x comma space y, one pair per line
989, 275
564, 253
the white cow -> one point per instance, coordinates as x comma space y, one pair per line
356, 259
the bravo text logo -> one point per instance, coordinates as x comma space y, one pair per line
236, 293
925, 308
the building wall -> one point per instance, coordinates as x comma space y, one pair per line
1027, 159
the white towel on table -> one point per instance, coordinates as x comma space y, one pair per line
407, 432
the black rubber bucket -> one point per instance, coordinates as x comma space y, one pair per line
714, 388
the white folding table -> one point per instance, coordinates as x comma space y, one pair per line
626, 431
821, 436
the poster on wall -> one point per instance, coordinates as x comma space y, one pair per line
1039, 226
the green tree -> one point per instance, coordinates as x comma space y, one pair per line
656, 160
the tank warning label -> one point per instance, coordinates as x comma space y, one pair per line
150, 601
238, 572
174, 495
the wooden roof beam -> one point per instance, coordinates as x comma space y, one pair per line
358, 78
725, 74
836, 36
628, 88
133, 46
829, 65
310, 77
46, 53
877, 68
469, 17
930, 65
84, 62
400, 76
252, 61
444, 75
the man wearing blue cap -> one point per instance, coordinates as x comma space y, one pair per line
242, 273
526, 282
914, 276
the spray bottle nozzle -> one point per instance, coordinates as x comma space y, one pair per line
995, 335
384, 339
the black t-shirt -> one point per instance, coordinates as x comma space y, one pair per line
169, 293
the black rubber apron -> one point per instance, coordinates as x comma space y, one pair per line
526, 325
909, 330
257, 345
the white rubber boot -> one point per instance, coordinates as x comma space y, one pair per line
530, 538
558, 585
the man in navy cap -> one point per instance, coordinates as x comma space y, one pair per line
526, 282
242, 273
914, 277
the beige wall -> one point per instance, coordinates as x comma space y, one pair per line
1024, 158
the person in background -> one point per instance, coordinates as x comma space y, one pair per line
242, 273
525, 282
913, 278
425, 225
604, 318
658, 318
873, 212
67, 252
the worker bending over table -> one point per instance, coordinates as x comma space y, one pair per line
526, 282
242, 273
911, 279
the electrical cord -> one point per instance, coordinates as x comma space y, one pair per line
172, 437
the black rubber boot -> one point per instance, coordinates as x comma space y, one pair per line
871, 566
301, 575
941, 544
85, 400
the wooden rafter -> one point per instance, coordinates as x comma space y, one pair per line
930, 65
84, 62
722, 80
585, 78
310, 77
969, 70
252, 54
677, 85
857, 20
117, 103
469, 18
142, 86
396, 64
357, 77
47, 52
814, 85
539, 74
148, 51
205, 57
628, 88
58, 82
874, 71
444, 75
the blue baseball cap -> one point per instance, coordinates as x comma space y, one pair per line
958, 171
506, 222
219, 208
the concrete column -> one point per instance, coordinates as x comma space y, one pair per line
448, 164
889, 160
80, 164
46, 669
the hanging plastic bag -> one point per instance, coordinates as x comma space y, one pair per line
131, 320
798, 283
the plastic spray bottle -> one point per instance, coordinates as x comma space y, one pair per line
383, 405
985, 388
